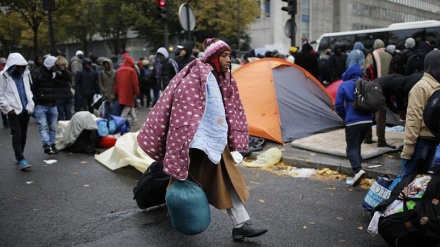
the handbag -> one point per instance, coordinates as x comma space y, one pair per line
188, 207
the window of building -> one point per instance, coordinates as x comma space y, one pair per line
267, 7
305, 18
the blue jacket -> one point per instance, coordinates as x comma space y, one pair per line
345, 98
356, 56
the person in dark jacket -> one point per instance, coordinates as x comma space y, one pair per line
415, 60
64, 89
356, 125
185, 55
308, 60
86, 85
45, 94
165, 68
338, 62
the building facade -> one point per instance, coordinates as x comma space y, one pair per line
316, 17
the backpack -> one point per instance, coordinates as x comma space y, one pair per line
431, 114
368, 96
151, 188
397, 64
415, 226
415, 63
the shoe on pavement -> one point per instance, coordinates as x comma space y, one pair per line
47, 149
369, 141
385, 145
358, 177
22, 164
247, 231
54, 149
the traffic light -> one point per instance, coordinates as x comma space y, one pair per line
162, 9
290, 8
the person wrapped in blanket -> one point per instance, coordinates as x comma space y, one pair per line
193, 128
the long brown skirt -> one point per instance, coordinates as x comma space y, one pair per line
216, 178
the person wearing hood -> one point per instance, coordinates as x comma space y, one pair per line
194, 127
127, 87
308, 60
338, 62
106, 83
86, 85
357, 125
4, 116
16, 101
419, 142
75, 65
185, 55
415, 62
356, 55
44, 88
165, 68
379, 66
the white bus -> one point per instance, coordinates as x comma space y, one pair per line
393, 34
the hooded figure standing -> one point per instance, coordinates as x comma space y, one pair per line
165, 68
107, 85
185, 55
45, 88
127, 87
194, 127
16, 101
356, 125
419, 142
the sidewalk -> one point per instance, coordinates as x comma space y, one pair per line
384, 164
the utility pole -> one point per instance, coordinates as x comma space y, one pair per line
49, 6
291, 9
163, 15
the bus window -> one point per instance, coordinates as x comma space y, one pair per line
346, 42
368, 39
433, 36
401, 35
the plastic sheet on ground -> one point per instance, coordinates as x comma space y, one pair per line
269, 158
299, 172
125, 152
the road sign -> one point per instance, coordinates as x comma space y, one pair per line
186, 17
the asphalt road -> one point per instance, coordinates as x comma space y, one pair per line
79, 202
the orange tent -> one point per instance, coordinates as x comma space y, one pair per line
283, 102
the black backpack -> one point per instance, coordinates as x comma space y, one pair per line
368, 96
151, 188
419, 226
397, 64
431, 114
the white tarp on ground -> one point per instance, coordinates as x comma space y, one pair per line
333, 142
125, 152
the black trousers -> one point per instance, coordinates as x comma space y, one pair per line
19, 125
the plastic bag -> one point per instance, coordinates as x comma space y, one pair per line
377, 193
269, 158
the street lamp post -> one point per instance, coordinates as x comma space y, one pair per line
49, 6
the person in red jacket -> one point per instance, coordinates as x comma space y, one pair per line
127, 87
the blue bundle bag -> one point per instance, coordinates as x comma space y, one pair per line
188, 207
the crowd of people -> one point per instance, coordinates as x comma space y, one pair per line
407, 75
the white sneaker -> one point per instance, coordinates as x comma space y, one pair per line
358, 177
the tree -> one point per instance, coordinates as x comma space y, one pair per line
31, 12
115, 29
11, 29
220, 18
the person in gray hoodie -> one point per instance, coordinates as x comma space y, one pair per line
165, 68
16, 101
